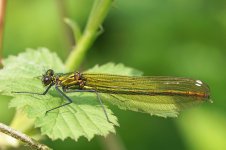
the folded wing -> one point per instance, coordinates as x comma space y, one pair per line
162, 96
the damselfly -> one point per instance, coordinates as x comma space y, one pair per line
156, 95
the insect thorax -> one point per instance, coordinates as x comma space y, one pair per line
74, 80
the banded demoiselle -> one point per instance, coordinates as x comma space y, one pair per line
156, 95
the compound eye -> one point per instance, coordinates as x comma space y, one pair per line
50, 72
46, 80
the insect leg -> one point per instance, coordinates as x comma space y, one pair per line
65, 96
101, 103
98, 97
44, 93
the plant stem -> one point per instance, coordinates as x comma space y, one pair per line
18, 122
2, 15
22, 137
97, 15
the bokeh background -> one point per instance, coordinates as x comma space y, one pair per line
159, 37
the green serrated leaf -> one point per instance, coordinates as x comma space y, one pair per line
84, 117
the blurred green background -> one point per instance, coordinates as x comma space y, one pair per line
159, 37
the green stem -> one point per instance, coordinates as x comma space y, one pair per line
97, 15
18, 122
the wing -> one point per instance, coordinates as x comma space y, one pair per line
162, 96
